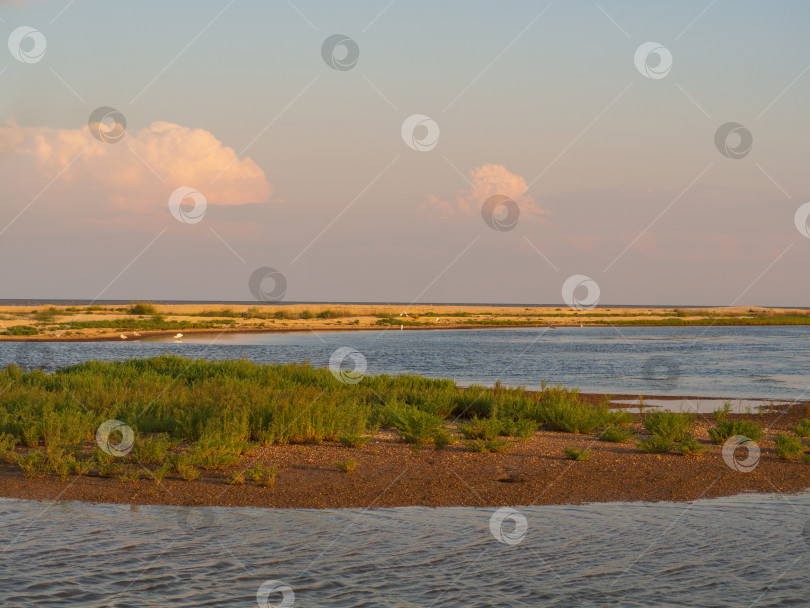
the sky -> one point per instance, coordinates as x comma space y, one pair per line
393, 151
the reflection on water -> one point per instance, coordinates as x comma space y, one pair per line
733, 362
741, 551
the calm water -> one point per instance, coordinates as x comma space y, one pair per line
743, 362
742, 551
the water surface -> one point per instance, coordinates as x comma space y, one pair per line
767, 362
748, 550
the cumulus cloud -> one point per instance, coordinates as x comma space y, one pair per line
136, 174
486, 180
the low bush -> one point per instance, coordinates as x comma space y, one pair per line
802, 429
788, 446
730, 428
347, 466
655, 445
353, 440
616, 434
671, 425
142, 308
577, 454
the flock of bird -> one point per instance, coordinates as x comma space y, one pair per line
135, 334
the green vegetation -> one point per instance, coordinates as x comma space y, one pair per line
656, 444
442, 438
616, 434
788, 446
142, 308
262, 475
347, 466
577, 454
21, 330
353, 440
494, 445
689, 446
730, 428
670, 425
802, 429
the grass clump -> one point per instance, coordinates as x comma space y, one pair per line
186, 471
262, 475
655, 444
152, 449
21, 330
416, 426
495, 445
670, 425
237, 479
442, 438
7, 443
802, 429
353, 440
788, 446
561, 410
615, 434
689, 446
730, 428
142, 308
347, 466
577, 454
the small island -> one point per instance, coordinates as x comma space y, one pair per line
171, 430
144, 320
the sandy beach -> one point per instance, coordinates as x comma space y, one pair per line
107, 323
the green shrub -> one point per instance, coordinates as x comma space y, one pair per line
7, 443
21, 330
561, 410
152, 449
46, 315
487, 445
689, 446
655, 444
671, 425
788, 446
442, 438
416, 426
347, 466
32, 463
481, 428
186, 471
721, 414
353, 440
577, 454
143, 308
616, 434
730, 428
802, 429
262, 475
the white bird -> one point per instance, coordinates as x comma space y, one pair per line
400, 327
581, 325
178, 336
123, 337
437, 319
135, 333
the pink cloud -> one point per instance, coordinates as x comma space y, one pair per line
485, 181
136, 174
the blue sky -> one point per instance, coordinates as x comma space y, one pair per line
623, 179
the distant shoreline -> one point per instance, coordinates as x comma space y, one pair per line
139, 321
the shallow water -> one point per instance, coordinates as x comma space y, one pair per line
749, 550
730, 362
